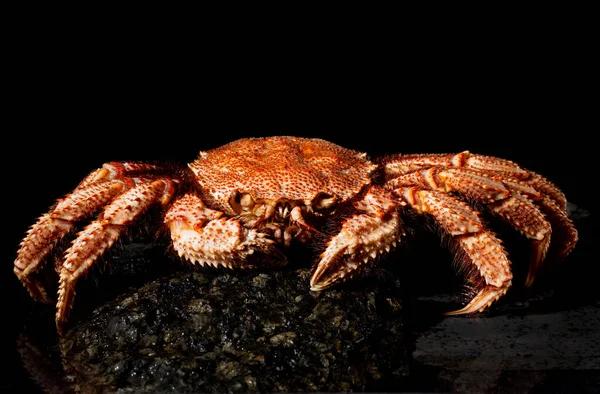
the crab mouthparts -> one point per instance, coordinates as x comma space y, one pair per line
282, 210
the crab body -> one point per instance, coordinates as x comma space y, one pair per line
241, 205
275, 183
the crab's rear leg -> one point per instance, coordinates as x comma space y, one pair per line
563, 228
95, 191
494, 166
203, 236
515, 208
364, 236
52, 227
534, 187
100, 235
480, 254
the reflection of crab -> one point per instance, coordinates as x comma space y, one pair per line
237, 205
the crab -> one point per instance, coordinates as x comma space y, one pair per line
241, 205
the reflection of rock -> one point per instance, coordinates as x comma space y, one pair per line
213, 331
576, 213
43, 365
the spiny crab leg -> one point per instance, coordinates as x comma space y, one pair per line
95, 191
203, 236
514, 208
542, 192
99, 235
403, 164
478, 246
503, 168
363, 237
562, 227
53, 226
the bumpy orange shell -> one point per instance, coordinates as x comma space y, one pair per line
281, 168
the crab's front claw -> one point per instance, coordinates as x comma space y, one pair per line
336, 262
203, 236
363, 238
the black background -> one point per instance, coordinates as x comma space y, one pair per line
78, 103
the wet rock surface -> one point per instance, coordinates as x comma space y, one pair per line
220, 331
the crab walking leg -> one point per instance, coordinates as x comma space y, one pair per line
119, 170
563, 224
98, 236
545, 195
543, 185
401, 165
203, 236
513, 207
95, 191
562, 227
555, 213
478, 245
525, 216
53, 226
362, 238
98, 175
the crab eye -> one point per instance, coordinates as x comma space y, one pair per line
324, 202
241, 202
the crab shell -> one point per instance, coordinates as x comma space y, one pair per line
310, 172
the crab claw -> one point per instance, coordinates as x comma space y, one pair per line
201, 235
362, 239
